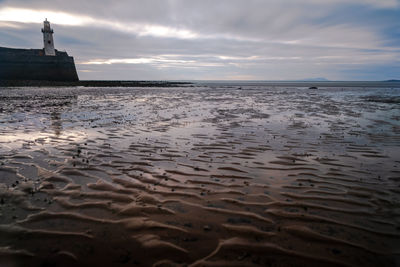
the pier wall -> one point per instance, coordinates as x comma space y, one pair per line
32, 64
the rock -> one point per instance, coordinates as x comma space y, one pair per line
27, 187
206, 228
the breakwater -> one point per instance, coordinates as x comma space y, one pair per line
33, 65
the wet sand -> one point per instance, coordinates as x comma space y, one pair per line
200, 176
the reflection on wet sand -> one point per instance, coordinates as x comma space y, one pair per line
200, 177
56, 123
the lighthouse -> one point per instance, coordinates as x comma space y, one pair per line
48, 39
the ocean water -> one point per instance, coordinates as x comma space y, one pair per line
214, 173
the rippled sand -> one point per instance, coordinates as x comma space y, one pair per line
202, 176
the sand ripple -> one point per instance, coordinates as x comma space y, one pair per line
199, 177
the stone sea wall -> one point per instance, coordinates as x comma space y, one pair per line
32, 64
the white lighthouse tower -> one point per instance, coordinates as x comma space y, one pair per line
48, 39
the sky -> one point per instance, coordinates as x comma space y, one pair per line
214, 39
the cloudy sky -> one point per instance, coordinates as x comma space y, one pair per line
215, 39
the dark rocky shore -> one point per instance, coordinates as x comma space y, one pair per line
32, 83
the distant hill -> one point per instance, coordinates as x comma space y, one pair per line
392, 81
314, 80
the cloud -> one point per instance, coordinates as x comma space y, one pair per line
187, 39
61, 18
34, 16
337, 35
373, 3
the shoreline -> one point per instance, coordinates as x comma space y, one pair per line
144, 83
91, 83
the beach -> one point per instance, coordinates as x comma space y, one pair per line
200, 175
